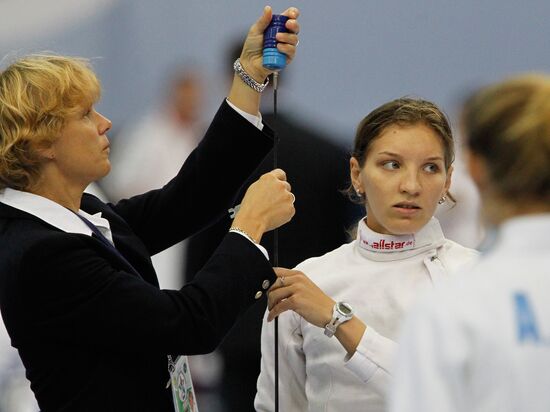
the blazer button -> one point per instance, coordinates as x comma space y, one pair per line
265, 284
258, 294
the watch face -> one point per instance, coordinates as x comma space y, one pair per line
345, 309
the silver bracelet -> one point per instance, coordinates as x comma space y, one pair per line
235, 229
245, 77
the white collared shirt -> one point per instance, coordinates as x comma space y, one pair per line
54, 214
256, 120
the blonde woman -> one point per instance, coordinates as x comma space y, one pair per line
78, 292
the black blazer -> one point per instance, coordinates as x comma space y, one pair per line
93, 335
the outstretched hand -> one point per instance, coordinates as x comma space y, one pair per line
243, 96
251, 55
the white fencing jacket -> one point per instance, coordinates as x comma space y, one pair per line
379, 275
482, 342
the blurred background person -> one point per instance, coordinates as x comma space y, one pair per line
482, 343
153, 147
147, 152
461, 220
317, 169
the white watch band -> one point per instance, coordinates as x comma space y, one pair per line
330, 329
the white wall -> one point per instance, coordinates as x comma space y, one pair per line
353, 56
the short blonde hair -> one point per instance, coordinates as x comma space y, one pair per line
508, 125
38, 93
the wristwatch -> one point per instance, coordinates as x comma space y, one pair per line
342, 312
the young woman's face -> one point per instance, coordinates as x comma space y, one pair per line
82, 151
403, 178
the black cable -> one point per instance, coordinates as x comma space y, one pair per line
276, 239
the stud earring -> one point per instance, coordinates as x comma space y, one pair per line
442, 200
360, 195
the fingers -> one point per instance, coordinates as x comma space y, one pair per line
298, 293
283, 272
282, 189
291, 291
289, 38
262, 23
280, 298
278, 293
293, 26
281, 307
285, 279
287, 43
287, 49
268, 202
279, 174
294, 291
291, 13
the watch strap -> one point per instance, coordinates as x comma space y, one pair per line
337, 319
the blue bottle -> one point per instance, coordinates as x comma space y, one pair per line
273, 59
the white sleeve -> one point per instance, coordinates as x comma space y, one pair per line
292, 367
373, 354
430, 362
255, 120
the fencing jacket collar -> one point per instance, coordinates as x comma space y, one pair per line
380, 247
